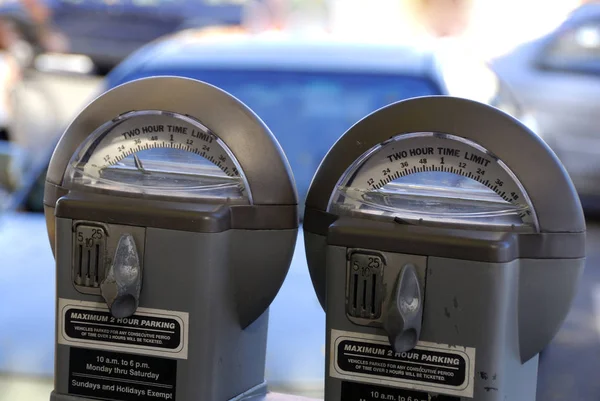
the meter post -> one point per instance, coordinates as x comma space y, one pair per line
445, 242
173, 227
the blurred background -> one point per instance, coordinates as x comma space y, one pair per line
310, 69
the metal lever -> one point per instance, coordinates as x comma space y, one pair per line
121, 287
405, 311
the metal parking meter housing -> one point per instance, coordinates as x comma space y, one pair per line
445, 242
172, 213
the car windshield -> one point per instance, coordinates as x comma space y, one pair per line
308, 111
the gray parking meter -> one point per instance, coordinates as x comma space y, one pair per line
173, 217
445, 241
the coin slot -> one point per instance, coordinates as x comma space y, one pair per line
364, 292
355, 292
364, 295
89, 247
80, 264
89, 266
373, 288
97, 277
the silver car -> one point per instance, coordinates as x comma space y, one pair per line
557, 77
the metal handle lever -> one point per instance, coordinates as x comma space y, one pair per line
122, 285
405, 311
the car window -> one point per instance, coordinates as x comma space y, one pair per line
576, 49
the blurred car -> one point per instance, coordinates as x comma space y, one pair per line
557, 77
108, 31
308, 92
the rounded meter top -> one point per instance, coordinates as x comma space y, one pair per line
443, 161
176, 140
452, 179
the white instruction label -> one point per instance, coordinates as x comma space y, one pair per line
149, 331
439, 368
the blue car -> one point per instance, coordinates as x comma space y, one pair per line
309, 92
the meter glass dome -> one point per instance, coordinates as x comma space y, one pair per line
434, 178
161, 154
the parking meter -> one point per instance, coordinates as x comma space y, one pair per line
173, 217
445, 241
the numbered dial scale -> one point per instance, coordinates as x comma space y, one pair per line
435, 178
159, 153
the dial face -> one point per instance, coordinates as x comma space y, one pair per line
160, 153
434, 177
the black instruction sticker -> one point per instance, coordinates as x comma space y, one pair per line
368, 392
417, 364
431, 367
135, 330
149, 331
120, 376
